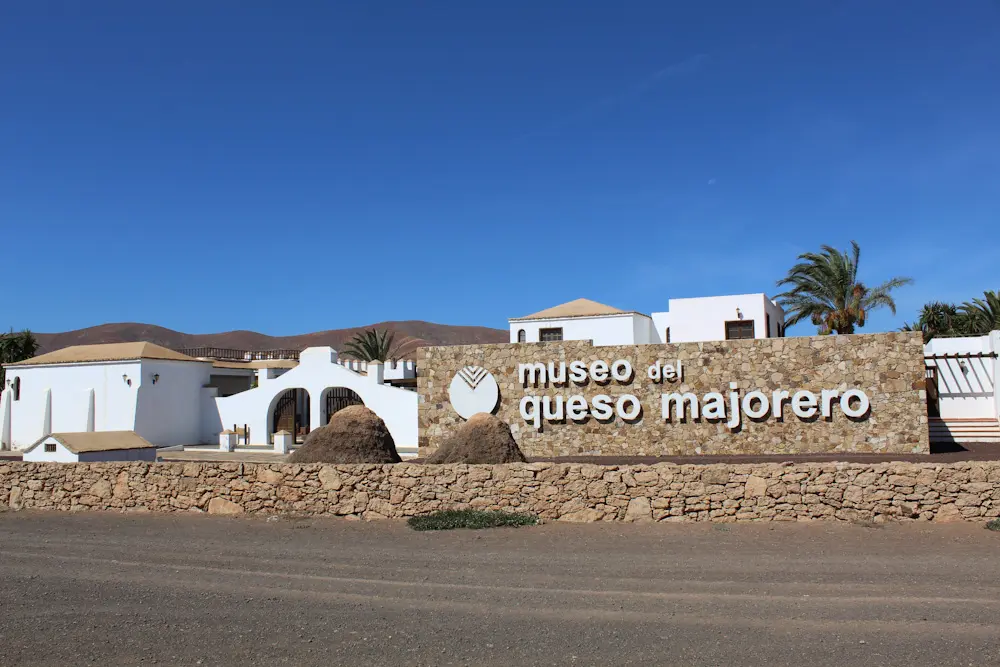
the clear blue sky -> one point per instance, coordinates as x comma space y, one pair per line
296, 166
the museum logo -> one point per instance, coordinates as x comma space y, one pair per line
473, 390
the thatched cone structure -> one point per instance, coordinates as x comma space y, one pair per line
483, 439
354, 435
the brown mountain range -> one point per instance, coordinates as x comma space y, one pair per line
420, 334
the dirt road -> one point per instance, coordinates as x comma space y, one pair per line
189, 590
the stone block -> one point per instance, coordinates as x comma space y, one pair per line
638, 510
223, 506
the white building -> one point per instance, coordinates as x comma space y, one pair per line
961, 381
158, 393
169, 398
687, 320
303, 398
91, 447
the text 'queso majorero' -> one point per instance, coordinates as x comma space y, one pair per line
674, 406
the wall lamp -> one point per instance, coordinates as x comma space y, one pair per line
964, 366
739, 313
126, 380
156, 377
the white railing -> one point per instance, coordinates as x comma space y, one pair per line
393, 370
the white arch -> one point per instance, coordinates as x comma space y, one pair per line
325, 418
316, 372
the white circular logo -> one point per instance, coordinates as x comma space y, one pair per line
473, 390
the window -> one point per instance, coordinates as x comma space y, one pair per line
16, 389
739, 329
767, 325
50, 447
521, 336
549, 335
666, 336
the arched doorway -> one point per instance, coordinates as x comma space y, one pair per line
338, 398
290, 412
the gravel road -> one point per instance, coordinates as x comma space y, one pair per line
115, 589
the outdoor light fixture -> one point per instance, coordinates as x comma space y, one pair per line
739, 313
964, 366
156, 376
126, 380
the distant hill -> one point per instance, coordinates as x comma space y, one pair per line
422, 333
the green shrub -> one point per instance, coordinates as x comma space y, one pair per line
993, 525
451, 519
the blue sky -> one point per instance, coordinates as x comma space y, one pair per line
293, 167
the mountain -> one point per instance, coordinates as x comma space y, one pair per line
422, 333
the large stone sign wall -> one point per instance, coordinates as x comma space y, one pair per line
555, 491
888, 368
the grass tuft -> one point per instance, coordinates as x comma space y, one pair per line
993, 525
451, 519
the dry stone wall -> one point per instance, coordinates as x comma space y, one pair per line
563, 491
889, 368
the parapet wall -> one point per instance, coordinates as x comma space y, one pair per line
566, 492
755, 386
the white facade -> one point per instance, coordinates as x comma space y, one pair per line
318, 372
704, 318
966, 375
169, 402
62, 454
158, 399
616, 329
687, 320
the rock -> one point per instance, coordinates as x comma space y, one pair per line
646, 478
755, 487
329, 479
853, 494
583, 516
355, 434
223, 506
482, 439
121, 489
101, 489
948, 513
14, 501
269, 476
638, 511
715, 475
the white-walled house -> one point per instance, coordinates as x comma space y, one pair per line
687, 320
169, 398
158, 393
91, 447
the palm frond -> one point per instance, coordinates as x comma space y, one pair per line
824, 288
377, 345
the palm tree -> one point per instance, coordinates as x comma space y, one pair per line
825, 289
973, 318
982, 315
16, 346
375, 345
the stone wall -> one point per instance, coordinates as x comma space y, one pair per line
566, 492
889, 368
